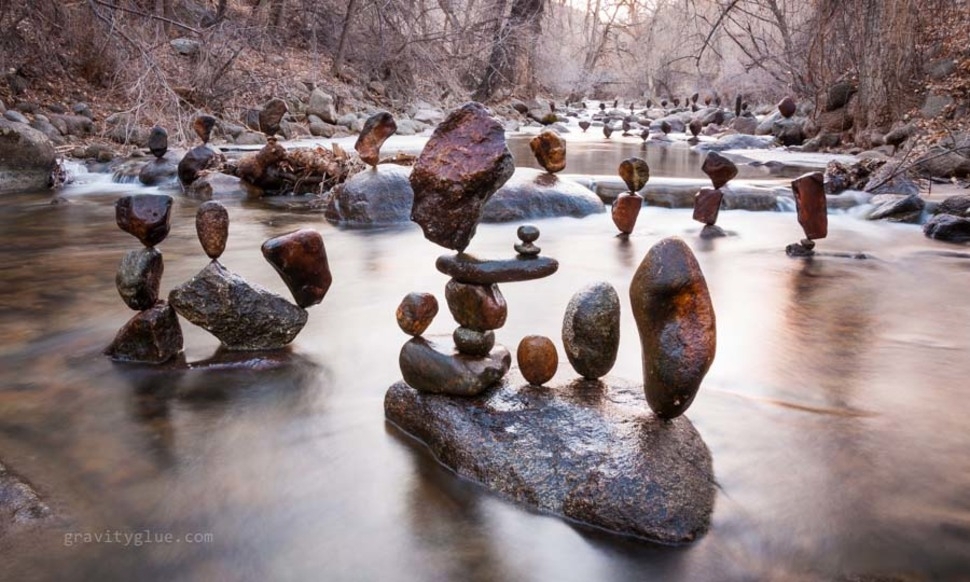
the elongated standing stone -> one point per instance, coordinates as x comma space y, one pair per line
707, 205
675, 319
625, 211
212, 226
591, 330
811, 205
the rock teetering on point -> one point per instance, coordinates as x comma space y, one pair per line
377, 129
812, 209
550, 151
300, 258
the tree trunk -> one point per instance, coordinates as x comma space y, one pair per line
509, 61
338, 59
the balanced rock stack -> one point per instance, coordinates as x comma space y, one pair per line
244, 316
200, 158
626, 208
707, 202
153, 335
812, 209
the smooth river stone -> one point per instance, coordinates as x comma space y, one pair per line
212, 226
608, 462
242, 315
477, 307
707, 205
139, 276
375, 132
550, 151
675, 319
146, 217
787, 107
537, 359
300, 258
719, 169
432, 368
472, 342
271, 115
591, 330
625, 211
153, 336
466, 268
635, 173
464, 162
158, 141
416, 312
811, 204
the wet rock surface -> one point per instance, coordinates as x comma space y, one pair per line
897, 208
139, 276
948, 228
196, 161
153, 336
625, 211
473, 342
212, 227
158, 171
591, 330
467, 268
477, 307
529, 194
377, 129
27, 158
616, 466
20, 505
434, 368
300, 258
464, 162
242, 315
146, 217
380, 195
811, 205
675, 319
416, 312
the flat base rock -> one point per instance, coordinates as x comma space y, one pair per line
530, 194
587, 450
380, 195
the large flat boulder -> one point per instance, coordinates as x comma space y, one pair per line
533, 194
589, 451
27, 158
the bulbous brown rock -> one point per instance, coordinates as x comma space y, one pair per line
300, 258
695, 127
675, 319
549, 150
625, 210
196, 160
477, 307
635, 173
537, 359
707, 205
811, 204
147, 217
271, 115
416, 312
212, 226
584, 125
203, 125
375, 132
719, 169
462, 165
787, 107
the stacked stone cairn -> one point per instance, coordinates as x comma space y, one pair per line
153, 335
463, 164
707, 202
812, 209
626, 208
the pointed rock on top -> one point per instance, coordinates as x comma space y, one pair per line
158, 141
787, 107
212, 226
203, 125
375, 132
635, 173
146, 217
271, 115
300, 258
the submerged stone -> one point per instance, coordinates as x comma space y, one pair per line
464, 162
300, 258
470, 269
615, 466
948, 228
242, 315
591, 330
139, 276
153, 336
432, 368
146, 217
531, 194
675, 319
379, 195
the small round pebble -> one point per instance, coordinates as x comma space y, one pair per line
528, 233
538, 359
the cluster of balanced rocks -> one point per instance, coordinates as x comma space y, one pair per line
242, 315
610, 463
626, 208
707, 202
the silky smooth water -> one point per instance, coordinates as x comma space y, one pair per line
835, 411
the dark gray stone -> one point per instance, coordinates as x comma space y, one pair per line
470, 269
897, 208
27, 158
380, 195
948, 228
736, 142
242, 315
591, 330
139, 276
153, 336
607, 461
159, 171
434, 368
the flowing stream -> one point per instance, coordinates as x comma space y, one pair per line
835, 411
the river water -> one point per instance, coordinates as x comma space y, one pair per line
835, 411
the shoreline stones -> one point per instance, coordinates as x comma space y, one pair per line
300, 258
591, 330
675, 319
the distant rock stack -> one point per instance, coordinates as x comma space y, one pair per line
607, 130
160, 169
153, 335
707, 202
812, 210
200, 158
158, 141
203, 125
626, 208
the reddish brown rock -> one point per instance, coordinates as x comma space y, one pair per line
707, 204
477, 307
549, 150
675, 319
375, 132
635, 173
139, 276
152, 336
416, 312
197, 160
462, 165
811, 204
146, 217
719, 169
212, 226
787, 107
584, 125
695, 127
625, 210
203, 125
300, 258
537, 358
271, 115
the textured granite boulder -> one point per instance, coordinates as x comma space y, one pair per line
591, 330
811, 204
153, 336
380, 195
27, 158
586, 451
948, 228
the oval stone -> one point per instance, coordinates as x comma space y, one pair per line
300, 258
537, 358
139, 276
675, 319
626, 210
212, 226
550, 151
591, 330
477, 307
416, 312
